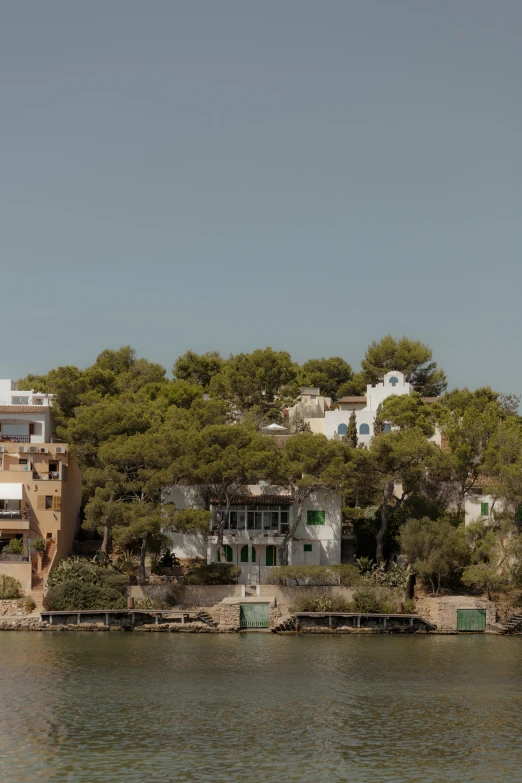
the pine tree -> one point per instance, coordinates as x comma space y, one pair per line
378, 425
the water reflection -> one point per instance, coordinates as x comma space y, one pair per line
93, 707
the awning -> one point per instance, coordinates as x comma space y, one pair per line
11, 491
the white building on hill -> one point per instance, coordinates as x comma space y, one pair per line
258, 520
332, 419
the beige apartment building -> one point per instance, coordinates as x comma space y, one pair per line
40, 486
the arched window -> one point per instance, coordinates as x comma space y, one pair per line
394, 381
364, 429
254, 555
271, 555
244, 554
387, 427
342, 429
228, 554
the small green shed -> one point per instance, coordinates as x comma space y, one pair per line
471, 620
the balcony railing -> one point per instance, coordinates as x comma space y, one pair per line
15, 438
12, 514
52, 475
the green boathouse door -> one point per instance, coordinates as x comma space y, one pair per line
471, 620
253, 615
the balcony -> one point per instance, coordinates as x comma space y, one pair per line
15, 438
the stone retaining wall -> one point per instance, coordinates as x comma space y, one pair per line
13, 608
442, 611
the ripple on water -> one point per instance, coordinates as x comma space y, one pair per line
104, 707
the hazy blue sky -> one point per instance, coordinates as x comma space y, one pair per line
229, 174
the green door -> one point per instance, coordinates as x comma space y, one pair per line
253, 615
471, 620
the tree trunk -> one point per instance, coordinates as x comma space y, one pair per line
143, 552
386, 514
223, 521
283, 548
379, 550
106, 538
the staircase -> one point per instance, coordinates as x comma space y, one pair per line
38, 579
513, 624
287, 624
205, 617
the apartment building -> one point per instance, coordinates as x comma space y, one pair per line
40, 486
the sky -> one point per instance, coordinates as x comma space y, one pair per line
227, 175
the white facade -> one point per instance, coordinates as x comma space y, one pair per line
334, 422
25, 416
11, 395
256, 527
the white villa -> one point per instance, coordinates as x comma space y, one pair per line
331, 419
258, 520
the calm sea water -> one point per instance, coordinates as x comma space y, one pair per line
256, 707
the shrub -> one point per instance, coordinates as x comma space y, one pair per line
83, 571
213, 574
148, 602
10, 588
79, 584
410, 606
302, 575
14, 547
73, 595
39, 545
348, 575
393, 576
321, 603
28, 605
372, 601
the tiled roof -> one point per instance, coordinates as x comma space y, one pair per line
259, 500
23, 408
352, 399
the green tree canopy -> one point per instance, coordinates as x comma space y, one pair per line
411, 357
329, 375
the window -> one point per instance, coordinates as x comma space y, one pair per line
387, 427
49, 536
244, 554
22, 462
271, 555
316, 517
49, 502
307, 547
253, 555
228, 554
484, 509
364, 429
342, 429
518, 514
20, 400
394, 381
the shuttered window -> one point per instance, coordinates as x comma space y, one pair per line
244, 553
484, 509
315, 517
307, 547
53, 502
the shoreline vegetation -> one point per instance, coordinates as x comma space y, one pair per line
136, 432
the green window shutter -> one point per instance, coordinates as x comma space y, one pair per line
271, 555
254, 554
484, 509
518, 514
244, 553
316, 517
307, 547
228, 553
